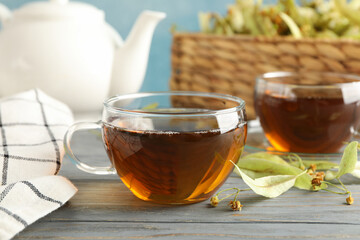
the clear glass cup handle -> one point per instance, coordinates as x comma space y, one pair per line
79, 164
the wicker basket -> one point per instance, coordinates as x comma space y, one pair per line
229, 65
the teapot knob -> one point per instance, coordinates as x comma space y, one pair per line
62, 2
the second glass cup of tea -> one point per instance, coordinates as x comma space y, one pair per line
308, 112
169, 147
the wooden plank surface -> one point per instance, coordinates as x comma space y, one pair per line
104, 209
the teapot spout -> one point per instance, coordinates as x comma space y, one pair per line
130, 60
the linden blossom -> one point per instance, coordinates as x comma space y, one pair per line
310, 19
269, 175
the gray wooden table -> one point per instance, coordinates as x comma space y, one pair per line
104, 209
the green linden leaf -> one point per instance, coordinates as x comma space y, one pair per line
322, 186
330, 175
320, 165
296, 161
356, 171
304, 182
254, 174
348, 160
267, 166
347, 11
294, 29
205, 22
267, 156
270, 186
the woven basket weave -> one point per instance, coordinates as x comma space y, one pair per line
229, 65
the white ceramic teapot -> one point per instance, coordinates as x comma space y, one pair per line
70, 52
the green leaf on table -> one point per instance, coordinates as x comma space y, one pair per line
320, 165
270, 186
322, 186
266, 166
356, 171
348, 160
261, 164
254, 174
304, 182
267, 156
330, 175
296, 161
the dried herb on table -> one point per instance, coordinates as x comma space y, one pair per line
270, 175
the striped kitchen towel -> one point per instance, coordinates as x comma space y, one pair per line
32, 126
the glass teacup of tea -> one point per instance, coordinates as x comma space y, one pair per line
308, 112
169, 147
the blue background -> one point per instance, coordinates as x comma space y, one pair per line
122, 14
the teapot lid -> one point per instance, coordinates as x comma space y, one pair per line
59, 9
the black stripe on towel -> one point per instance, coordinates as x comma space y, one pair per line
6, 191
28, 158
39, 194
6, 153
31, 144
16, 217
32, 124
56, 146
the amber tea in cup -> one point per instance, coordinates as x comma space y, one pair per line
168, 152
308, 112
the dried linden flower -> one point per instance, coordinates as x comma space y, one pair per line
316, 182
214, 201
313, 167
350, 200
320, 175
235, 205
